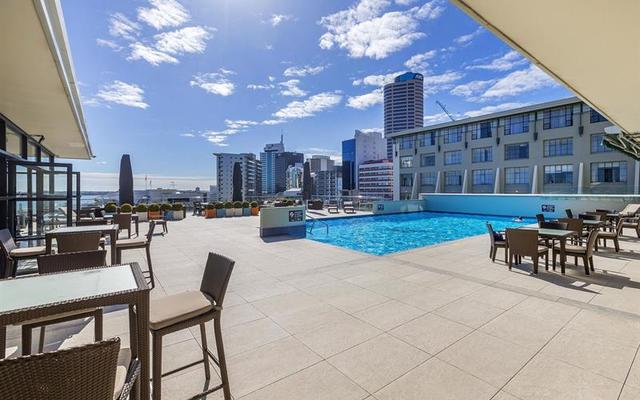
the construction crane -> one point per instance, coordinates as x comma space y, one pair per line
445, 110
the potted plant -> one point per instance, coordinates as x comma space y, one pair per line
126, 208
254, 208
177, 211
154, 212
237, 208
228, 209
110, 208
246, 209
220, 211
166, 210
141, 212
210, 210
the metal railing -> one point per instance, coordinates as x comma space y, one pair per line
313, 223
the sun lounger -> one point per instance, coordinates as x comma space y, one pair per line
348, 208
332, 208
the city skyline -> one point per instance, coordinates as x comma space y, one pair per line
183, 80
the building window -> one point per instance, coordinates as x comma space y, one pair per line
560, 174
558, 147
597, 144
595, 116
406, 180
453, 178
406, 162
516, 176
428, 178
13, 142
516, 151
481, 154
406, 142
428, 160
558, 117
427, 139
516, 124
452, 157
609, 172
481, 130
452, 135
483, 176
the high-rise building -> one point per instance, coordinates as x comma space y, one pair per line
268, 160
348, 164
294, 176
251, 170
375, 179
365, 146
283, 161
326, 184
403, 105
320, 163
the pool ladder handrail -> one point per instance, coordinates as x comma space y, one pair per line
313, 223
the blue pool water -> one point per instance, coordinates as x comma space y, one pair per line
384, 234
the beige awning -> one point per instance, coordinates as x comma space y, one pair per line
38, 90
591, 46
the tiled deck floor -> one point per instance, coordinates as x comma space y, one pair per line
305, 320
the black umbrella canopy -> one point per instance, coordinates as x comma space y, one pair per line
126, 180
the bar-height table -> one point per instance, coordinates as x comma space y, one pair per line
111, 230
36, 296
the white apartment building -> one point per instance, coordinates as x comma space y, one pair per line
251, 171
376, 179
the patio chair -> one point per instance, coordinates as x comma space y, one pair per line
608, 224
584, 252
524, 243
53, 263
13, 254
97, 371
81, 241
498, 241
552, 225
569, 213
186, 309
124, 222
576, 225
139, 243
332, 207
589, 217
540, 218
347, 207
613, 236
633, 223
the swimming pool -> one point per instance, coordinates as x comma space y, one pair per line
385, 234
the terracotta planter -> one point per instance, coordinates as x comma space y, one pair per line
255, 210
155, 214
210, 213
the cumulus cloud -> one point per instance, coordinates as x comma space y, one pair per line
163, 14
290, 88
215, 82
303, 71
277, 19
472, 88
365, 30
518, 82
436, 118
122, 27
187, 135
495, 108
439, 82
504, 63
310, 106
192, 39
468, 38
154, 57
377, 80
273, 121
126, 94
239, 123
419, 62
367, 100
108, 43
256, 86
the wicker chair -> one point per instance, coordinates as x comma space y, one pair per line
59, 263
124, 222
584, 252
524, 243
632, 223
74, 242
613, 236
540, 218
576, 225
12, 253
569, 213
139, 243
497, 243
98, 371
183, 310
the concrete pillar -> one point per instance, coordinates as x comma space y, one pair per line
636, 177
534, 180
580, 178
437, 189
465, 181
496, 183
396, 173
414, 188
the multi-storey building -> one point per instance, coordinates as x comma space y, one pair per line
403, 105
294, 176
268, 161
553, 147
326, 184
250, 168
320, 163
283, 161
375, 179
365, 146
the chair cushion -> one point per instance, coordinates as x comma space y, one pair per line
570, 248
124, 359
52, 318
28, 251
176, 308
135, 242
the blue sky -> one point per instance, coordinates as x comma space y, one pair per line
171, 82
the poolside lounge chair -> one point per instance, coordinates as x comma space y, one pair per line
584, 252
347, 207
332, 207
524, 243
498, 241
630, 210
612, 235
97, 371
12, 253
633, 223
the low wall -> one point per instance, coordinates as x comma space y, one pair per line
398, 206
525, 205
278, 221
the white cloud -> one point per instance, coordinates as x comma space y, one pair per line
163, 14
372, 130
187, 135
290, 88
219, 138
310, 106
419, 62
239, 123
472, 88
154, 57
273, 121
365, 31
437, 83
503, 63
468, 38
123, 93
494, 108
377, 80
277, 19
303, 71
215, 82
123, 27
108, 181
108, 43
365, 101
192, 39
518, 82
405, 2
436, 118
254, 86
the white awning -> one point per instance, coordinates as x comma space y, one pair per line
591, 46
38, 89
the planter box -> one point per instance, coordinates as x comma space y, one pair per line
228, 212
177, 215
210, 213
255, 210
220, 213
142, 216
237, 212
154, 214
246, 212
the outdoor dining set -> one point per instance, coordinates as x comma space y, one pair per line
577, 236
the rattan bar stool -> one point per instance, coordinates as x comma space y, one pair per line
186, 309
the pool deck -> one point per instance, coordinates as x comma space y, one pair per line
306, 320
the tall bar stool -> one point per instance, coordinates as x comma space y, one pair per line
186, 309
